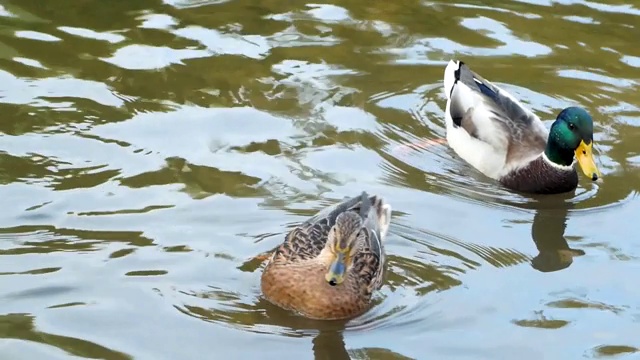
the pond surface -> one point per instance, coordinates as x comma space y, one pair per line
151, 151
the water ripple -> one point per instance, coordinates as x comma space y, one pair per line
150, 150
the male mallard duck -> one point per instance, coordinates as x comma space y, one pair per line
492, 131
329, 266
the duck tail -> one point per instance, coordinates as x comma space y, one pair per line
375, 212
385, 219
383, 211
365, 205
451, 75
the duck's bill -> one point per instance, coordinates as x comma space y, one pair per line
335, 275
584, 155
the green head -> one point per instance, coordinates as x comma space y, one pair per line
572, 134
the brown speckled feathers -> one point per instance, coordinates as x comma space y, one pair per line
307, 240
294, 276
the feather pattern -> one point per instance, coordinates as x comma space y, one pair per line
490, 115
496, 134
294, 276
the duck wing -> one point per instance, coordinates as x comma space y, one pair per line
307, 240
368, 264
492, 115
376, 215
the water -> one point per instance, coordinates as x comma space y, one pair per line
149, 151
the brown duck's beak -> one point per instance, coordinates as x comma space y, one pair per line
585, 159
337, 269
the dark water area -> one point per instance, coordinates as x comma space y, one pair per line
149, 151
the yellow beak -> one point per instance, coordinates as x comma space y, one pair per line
585, 159
337, 269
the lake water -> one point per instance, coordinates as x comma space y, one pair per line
151, 151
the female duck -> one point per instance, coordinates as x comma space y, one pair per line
493, 132
329, 266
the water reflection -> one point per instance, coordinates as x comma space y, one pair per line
22, 327
38, 239
547, 231
149, 148
330, 345
328, 337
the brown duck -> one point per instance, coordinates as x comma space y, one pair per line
329, 266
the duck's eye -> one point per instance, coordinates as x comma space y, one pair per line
572, 126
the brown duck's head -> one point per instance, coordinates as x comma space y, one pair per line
343, 243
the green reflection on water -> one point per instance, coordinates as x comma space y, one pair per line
159, 146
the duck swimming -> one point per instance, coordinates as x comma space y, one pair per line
329, 266
488, 128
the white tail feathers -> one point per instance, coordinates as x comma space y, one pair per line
450, 76
385, 220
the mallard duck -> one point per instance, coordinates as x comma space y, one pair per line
493, 132
328, 267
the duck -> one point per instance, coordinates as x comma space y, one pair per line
493, 132
328, 267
